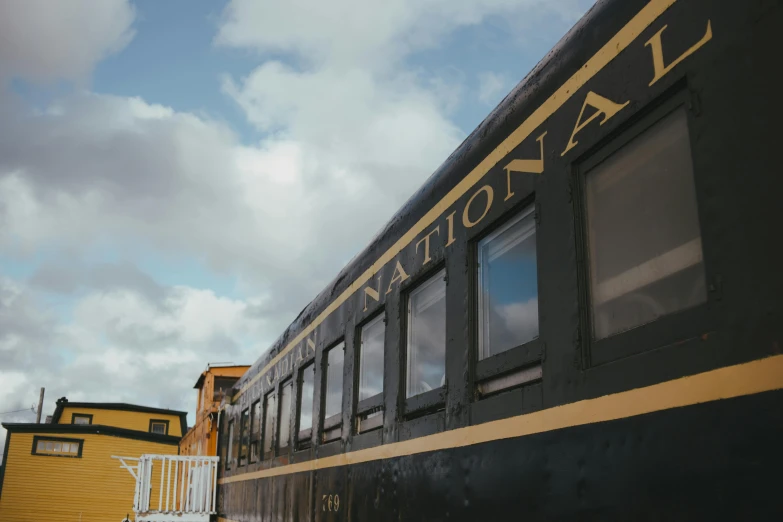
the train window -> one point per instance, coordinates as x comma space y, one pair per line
285, 415
222, 386
221, 440
306, 389
231, 447
644, 243
426, 347
333, 402
508, 286
371, 359
270, 412
255, 431
244, 433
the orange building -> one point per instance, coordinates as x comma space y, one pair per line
213, 383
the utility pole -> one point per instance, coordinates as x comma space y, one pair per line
40, 407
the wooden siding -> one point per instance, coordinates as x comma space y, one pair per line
92, 488
131, 420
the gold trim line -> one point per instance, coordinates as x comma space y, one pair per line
733, 381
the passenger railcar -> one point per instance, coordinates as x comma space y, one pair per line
577, 317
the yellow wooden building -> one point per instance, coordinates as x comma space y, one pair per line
63, 471
212, 385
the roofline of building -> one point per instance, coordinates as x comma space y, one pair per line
89, 429
203, 375
121, 406
5, 461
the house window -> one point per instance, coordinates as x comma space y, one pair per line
81, 418
160, 427
285, 414
255, 430
643, 237
244, 433
371, 359
426, 347
306, 390
508, 286
57, 447
270, 412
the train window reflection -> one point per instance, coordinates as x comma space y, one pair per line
334, 381
255, 430
306, 398
231, 447
508, 286
371, 359
643, 230
244, 428
270, 412
285, 414
426, 354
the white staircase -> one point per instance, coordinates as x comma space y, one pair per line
173, 488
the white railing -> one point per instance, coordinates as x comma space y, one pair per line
186, 491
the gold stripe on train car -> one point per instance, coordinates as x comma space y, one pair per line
627, 35
733, 381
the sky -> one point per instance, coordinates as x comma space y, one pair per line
178, 179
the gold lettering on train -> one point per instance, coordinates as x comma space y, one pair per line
398, 275
466, 218
603, 107
606, 107
372, 292
525, 166
426, 241
656, 47
450, 220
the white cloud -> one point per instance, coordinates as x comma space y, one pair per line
351, 132
491, 87
119, 346
366, 33
43, 41
519, 321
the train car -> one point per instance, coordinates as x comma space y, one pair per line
579, 316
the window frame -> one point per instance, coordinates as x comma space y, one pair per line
266, 455
244, 437
88, 416
278, 438
520, 214
159, 421
374, 403
230, 443
519, 357
41, 438
435, 399
220, 443
668, 329
303, 438
215, 389
330, 425
254, 444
